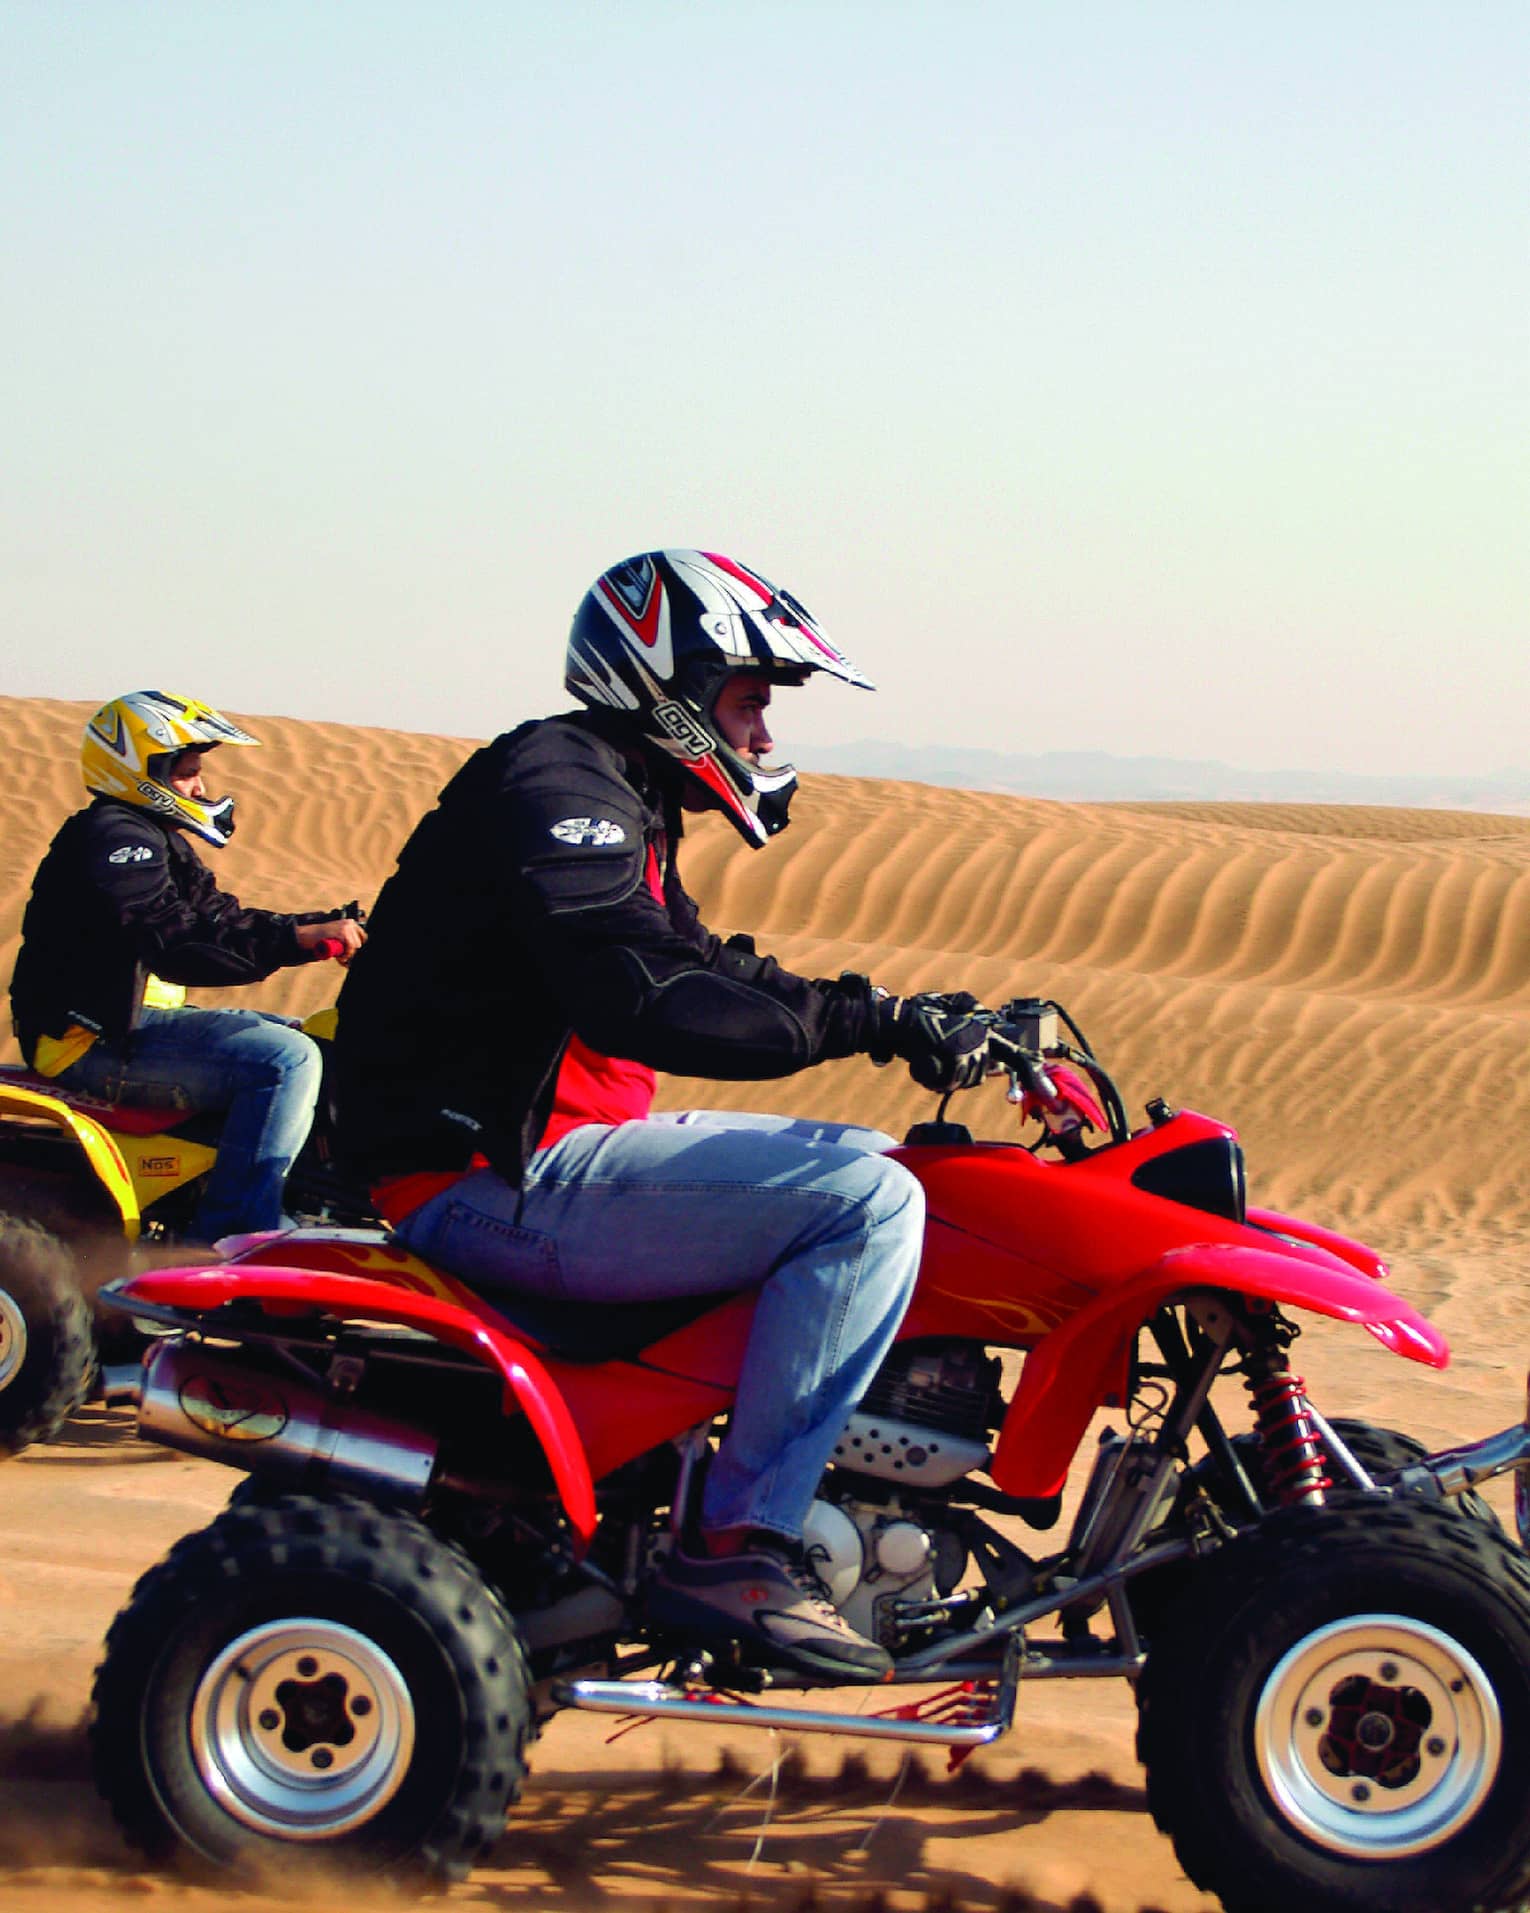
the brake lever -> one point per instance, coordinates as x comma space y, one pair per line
1029, 1078
1027, 1072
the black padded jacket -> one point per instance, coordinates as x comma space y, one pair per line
120, 895
520, 913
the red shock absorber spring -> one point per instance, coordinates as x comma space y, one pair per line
1288, 1438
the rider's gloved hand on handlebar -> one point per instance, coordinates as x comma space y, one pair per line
338, 937
941, 1038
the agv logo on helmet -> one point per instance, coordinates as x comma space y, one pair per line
677, 723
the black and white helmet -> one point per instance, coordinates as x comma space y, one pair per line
655, 637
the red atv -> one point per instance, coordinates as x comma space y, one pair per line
453, 1512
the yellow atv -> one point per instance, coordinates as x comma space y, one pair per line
86, 1188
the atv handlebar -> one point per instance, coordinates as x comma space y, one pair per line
1025, 1039
328, 948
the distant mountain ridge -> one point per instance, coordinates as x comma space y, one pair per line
1099, 777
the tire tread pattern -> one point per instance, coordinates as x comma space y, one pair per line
396, 1553
54, 1378
1229, 1608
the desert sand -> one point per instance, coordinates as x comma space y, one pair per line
1350, 987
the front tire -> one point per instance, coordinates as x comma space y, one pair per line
319, 1683
1337, 1714
47, 1351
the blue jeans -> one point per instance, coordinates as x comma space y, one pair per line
707, 1203
259, 1069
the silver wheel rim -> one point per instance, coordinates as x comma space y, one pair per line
1378, 1736
302, 1728
13, 1338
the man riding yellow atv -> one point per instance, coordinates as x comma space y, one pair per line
133, 1108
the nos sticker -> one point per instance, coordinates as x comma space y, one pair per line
589, 830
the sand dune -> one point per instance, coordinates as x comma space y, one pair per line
1351, 988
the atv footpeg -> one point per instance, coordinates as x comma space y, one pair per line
702, 1669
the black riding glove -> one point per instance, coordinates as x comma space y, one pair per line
940, 1038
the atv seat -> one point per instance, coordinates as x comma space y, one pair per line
613, 1332
573, 1331
127, 1119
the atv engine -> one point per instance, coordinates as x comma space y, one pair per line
871, 1557
926, 1418
924, 1423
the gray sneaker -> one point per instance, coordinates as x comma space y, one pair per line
771, 1604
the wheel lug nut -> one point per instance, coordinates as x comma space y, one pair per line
1389, 1670
1360, 1793
361, 1707
270, 1719
308, 1667
1434, 1746
1314, 1716
323, 1758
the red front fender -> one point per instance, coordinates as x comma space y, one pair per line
528, 1386
1074, 1370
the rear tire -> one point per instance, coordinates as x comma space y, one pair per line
313, 1684
47, 1351
1337, 1714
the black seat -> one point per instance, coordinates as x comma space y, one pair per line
603, 1332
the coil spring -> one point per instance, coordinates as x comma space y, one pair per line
1291, 1446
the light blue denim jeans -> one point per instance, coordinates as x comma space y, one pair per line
708, 1202
255, 1066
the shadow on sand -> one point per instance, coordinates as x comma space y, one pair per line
786, 1840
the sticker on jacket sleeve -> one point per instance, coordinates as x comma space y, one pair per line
131, 854
589, 830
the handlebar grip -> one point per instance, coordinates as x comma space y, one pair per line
328, 947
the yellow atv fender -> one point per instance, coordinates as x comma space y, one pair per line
96, 1145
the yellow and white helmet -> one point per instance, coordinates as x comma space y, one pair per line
131, 743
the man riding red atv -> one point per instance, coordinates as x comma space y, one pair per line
785, 1449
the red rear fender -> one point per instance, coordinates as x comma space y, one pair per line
1080, 1366
290, 1292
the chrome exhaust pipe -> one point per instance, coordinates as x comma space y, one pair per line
122, 1384
229, 1406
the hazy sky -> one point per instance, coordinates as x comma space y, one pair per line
1149, 377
